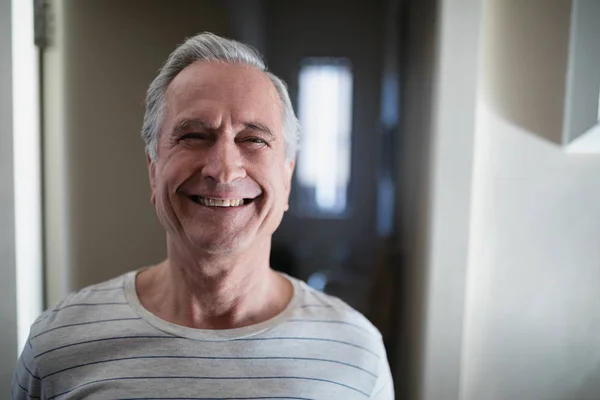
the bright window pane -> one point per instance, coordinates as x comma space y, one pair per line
325, 111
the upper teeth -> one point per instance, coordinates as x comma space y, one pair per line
219, 203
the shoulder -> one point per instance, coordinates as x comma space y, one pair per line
318, 306
81, 316
94, 300
345, 334
330, 310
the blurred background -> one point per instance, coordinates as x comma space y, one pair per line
441, 188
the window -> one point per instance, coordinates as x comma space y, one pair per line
325, 113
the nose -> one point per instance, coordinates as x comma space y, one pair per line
224, 162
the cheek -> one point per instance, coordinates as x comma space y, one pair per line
175, 171
281, 188
167, 181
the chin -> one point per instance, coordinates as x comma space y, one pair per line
227, 244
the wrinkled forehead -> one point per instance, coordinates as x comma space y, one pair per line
223, 90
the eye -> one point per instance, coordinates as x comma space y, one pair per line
192, 136
257, 140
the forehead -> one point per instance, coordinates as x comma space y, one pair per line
217, 90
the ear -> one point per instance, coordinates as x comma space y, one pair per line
152, 175
289, 172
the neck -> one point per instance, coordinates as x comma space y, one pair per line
207, 291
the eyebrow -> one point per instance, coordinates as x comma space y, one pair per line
187, 124
255, 126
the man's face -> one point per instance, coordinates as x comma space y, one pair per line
221, 180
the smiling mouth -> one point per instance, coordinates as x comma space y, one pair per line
210, 202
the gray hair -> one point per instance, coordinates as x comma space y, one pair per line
209, 47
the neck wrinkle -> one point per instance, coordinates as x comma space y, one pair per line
217, 291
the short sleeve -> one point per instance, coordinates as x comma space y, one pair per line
26, 383
384, 387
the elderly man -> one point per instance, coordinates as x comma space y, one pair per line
212, 321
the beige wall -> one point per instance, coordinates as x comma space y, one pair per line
100, 222
533, 298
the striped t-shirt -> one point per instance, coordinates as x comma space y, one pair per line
101, 343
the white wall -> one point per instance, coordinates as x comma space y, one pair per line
501, 229
439, 96
450, 191
533, 298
